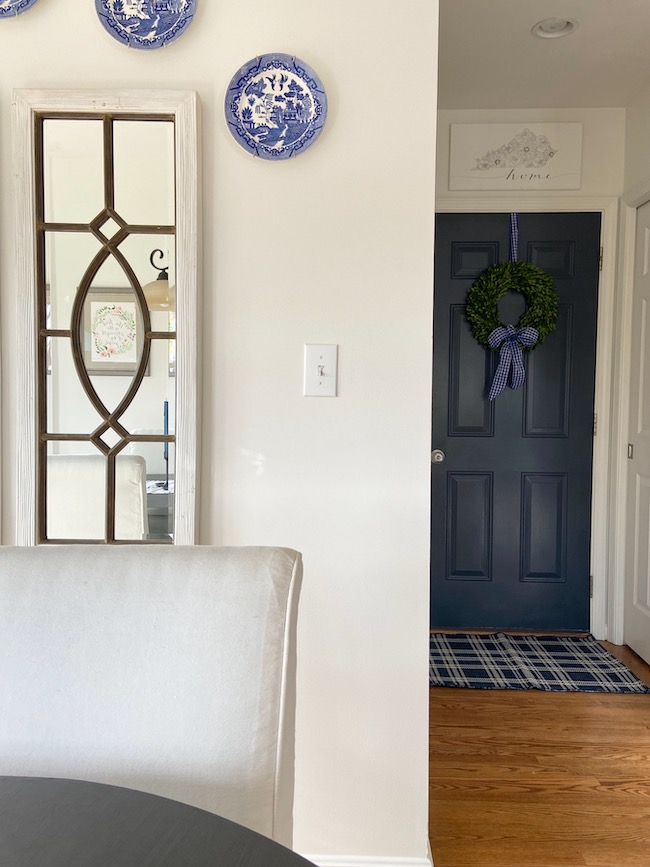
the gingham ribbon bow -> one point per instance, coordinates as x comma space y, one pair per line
511, 358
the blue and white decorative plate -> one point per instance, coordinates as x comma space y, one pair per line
10, 8
276, 106
145, 23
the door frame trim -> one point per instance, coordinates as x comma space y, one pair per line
631, 200
606, 602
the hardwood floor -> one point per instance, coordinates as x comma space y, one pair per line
536, 779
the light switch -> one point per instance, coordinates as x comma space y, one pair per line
321, 369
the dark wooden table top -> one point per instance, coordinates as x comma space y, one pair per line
68, 823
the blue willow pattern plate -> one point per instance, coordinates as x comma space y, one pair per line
145, 23
275, 106
10, 8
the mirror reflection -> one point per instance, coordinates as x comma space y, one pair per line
106, 275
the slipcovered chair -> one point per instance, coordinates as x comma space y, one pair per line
76, 494
162, 668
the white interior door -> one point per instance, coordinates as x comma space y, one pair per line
637, 581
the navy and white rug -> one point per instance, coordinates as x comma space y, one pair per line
574, 664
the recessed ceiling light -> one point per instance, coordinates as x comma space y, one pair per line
553, 28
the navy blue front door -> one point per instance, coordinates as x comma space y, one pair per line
511, 501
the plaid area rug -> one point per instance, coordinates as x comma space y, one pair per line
574, 664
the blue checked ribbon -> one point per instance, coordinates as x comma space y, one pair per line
514, 237
510, 339
511, 357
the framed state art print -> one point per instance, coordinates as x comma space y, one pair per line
515, 156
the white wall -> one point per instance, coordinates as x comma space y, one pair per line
335, 246
637, 152
603, 148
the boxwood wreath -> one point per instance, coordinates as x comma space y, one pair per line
538, 320
535, 285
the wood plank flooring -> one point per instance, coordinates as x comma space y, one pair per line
536, 779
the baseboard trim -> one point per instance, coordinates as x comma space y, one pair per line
363, 861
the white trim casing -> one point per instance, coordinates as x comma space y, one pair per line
632, 199
183, 106
25, 418
602, 530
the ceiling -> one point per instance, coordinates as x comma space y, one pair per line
490, 59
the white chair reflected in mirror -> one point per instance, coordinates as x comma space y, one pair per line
160, 483
76, 499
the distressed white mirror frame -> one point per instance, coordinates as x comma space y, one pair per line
183, 106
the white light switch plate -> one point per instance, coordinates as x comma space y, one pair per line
321, 369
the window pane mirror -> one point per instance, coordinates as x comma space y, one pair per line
107, 212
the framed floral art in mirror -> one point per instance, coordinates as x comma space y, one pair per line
113, 332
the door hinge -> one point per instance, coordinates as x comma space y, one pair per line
600, 260
595, 423
591, 586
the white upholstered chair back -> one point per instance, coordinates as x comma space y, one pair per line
162, 668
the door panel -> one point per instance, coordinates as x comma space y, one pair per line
548, 382
543, 523
637, 584
511, 503
469, 367
469, 521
